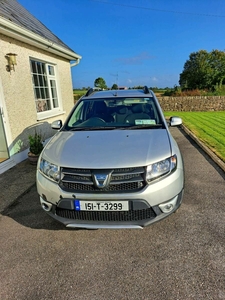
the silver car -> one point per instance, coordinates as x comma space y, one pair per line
113, 164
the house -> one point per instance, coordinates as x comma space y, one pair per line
35, 81
122, 88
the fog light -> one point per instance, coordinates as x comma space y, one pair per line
45, 205
168, 206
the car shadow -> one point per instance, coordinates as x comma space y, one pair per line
27, 211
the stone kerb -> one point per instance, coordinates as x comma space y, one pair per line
193, 103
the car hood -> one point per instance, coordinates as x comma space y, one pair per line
108, 148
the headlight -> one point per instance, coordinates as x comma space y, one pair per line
50, 170
161, 168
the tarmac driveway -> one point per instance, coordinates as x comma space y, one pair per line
181, 257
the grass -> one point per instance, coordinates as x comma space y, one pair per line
209, 127
78, 93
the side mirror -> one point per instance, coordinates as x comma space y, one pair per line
175, 121
56, 124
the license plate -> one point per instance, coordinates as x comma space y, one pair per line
101, 205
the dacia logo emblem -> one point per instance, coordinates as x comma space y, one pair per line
101, 180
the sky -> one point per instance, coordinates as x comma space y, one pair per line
133, 42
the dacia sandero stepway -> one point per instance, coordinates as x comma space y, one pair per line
112, 164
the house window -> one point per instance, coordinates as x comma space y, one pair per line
45, 88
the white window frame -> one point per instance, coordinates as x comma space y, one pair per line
43, 102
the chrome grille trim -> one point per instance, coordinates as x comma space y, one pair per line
122, 180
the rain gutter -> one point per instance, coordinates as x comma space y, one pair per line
19, 33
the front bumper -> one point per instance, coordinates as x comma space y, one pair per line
153, 203
140, 215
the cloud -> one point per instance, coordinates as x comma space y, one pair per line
134, 60
154, 79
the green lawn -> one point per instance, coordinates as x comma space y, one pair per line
209, 127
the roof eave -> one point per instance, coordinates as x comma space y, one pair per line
10, 29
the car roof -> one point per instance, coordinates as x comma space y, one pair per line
118, 93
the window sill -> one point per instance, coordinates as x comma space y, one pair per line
40, 118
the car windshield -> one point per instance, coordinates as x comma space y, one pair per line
111, 113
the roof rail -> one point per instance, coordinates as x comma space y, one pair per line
92, 90
146, 90
89, 92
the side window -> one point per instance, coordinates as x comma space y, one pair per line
45, 88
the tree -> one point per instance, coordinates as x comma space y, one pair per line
114, 87
203, 70
100, 83
217, 63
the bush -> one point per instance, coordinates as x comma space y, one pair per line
36, 144
185, 93
177, 92
76, 97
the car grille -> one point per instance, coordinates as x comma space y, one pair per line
121, 180
107, 216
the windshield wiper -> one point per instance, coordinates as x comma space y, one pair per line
147, 126
93, 128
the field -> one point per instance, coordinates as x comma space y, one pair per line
78, 93
209, 127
